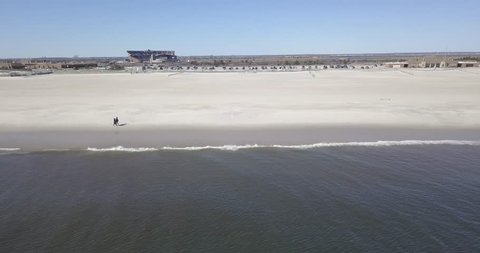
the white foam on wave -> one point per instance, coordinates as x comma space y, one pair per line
122, 149
224, 147
9, 149
380, 144
305, 146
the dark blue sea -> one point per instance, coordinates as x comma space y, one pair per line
346, 198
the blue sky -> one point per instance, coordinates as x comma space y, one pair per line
34, 28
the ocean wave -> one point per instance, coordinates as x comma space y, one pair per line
381, 144
304, 146
9, 149
224, 147
122, 149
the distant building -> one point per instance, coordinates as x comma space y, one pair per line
42, 65
432, 62
435, 61
467, 64
14, 65
399, 64
151, 56
79, 65
33, 65
5, 65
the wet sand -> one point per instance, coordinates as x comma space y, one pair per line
219, 136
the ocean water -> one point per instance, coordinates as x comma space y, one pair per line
377, 197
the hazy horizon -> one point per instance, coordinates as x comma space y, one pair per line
258, 55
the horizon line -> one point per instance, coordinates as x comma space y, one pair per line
257, 55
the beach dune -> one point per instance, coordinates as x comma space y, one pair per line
77, 110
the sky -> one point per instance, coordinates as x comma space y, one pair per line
64, 28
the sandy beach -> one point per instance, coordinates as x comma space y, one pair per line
182, 109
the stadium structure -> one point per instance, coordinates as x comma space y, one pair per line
151, 56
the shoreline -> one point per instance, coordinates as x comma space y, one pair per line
217, 136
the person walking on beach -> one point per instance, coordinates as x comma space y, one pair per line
114, 121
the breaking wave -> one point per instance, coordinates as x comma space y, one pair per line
306, 146
9, 149
120, 148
